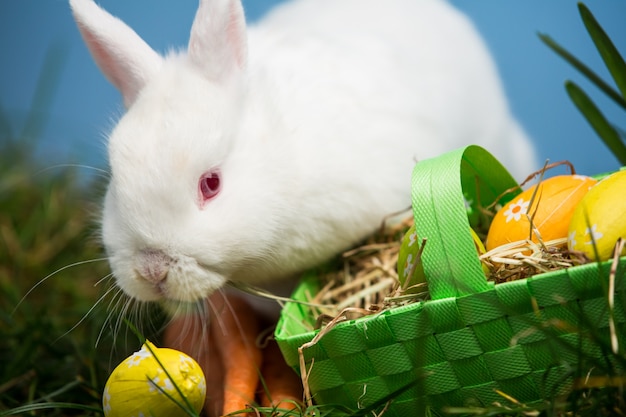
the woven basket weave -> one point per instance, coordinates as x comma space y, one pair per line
473, 337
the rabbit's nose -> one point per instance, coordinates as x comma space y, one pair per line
154, 265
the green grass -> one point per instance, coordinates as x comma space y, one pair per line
45, 225
55, 350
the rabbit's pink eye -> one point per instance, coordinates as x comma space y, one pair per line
209, 185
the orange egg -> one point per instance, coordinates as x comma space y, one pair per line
551, 209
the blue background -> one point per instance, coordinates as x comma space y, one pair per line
85, 106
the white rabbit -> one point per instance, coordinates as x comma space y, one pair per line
262, 151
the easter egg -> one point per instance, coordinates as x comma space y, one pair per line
140, 386
410, 269
480, 248
551, 209
600, 218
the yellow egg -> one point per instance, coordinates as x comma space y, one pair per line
551, 209
410, 269
480, 248
600, 217
139, 386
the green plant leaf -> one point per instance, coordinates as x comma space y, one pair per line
609, 135
610, 55
584, 69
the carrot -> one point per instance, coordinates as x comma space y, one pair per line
235, 327
282, 386
230, 358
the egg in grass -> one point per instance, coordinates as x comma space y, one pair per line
550, 204
141, 386
599, 220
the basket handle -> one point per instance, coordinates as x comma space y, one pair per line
441, 188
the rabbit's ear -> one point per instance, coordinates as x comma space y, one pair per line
218, 43
124, 58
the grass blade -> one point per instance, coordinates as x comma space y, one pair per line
49, 406
598, 122
584, 69
6, 133
609, 53
48, 82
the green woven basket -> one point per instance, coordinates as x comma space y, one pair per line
473, 337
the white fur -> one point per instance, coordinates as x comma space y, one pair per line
315, 118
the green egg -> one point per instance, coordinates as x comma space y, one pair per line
410, 269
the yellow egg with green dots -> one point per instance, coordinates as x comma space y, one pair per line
599, 220
141, 386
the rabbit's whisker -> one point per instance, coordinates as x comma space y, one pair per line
84, 317
41, 281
